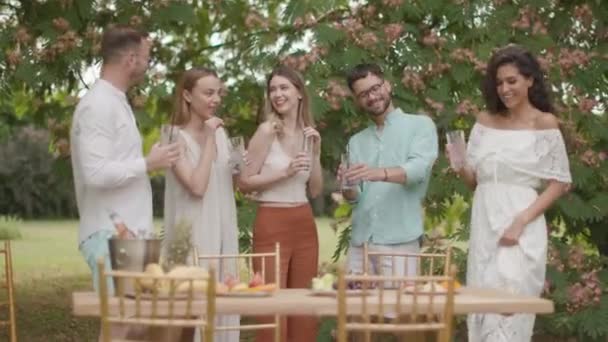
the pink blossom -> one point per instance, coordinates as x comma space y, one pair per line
584, 14
335, 93
539, 28
368, 40
412, 80
254, 19
586, 104
61, 24
435, 105
436, 69
392, 3
467, 107
545, 61
393, 32
298, 22
432, 39
22, 35
13, 57
568, 59
135, 20
526, 15
590, 158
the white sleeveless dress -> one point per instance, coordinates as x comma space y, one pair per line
510, 167
213, 217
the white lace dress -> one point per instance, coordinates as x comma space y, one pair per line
213, 217
510, 167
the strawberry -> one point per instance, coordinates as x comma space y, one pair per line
230, 281
256, 280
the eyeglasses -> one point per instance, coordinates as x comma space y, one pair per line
371, 90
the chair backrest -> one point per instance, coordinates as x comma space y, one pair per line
158, 300
411, 304
428, 264
8, 284
268, 265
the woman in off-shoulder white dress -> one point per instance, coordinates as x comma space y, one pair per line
517, 163
199, 188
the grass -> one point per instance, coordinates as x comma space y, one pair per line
9, 228
48, 268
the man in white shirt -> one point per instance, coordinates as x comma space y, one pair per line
110, 170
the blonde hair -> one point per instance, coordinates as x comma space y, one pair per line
304, 118
181, 111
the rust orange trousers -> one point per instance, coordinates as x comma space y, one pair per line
295, 230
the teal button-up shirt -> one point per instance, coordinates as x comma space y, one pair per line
390, 213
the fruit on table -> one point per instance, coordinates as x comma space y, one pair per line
147, 284
239, 287
256, 284
263, 288
188, 271
197, 286
457, 284
221, 288
163, 286
256, 280
324, 283
230, 281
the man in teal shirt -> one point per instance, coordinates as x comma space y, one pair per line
390, 161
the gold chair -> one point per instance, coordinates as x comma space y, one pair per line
172, 308
417, 305
269, 266
9, 286
429, 264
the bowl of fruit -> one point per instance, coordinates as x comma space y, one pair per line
327, 285
435, 288
186, 281
256, 287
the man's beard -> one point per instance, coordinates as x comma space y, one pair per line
386, 104
138, 76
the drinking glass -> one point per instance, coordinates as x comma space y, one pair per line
237, 149
345, 161
307, 147
168, 134
306, 144
458, 148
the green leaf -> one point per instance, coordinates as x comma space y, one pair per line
342, 211
576, 208
461, 73
326, 34
177, 12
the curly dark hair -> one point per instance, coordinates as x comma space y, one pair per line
528, 66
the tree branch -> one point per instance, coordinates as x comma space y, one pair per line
81, 79
333, 15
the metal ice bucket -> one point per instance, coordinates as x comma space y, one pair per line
133, 255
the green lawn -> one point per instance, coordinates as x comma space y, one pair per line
48, 268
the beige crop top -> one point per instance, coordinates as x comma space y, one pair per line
289, 190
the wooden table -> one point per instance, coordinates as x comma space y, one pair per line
301, 302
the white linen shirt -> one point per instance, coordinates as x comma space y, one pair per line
108, 163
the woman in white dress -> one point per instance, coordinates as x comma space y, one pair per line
199, 188
515, 151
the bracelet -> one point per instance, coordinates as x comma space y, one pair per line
385, 175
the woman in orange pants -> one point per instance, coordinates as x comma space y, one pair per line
284, 162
